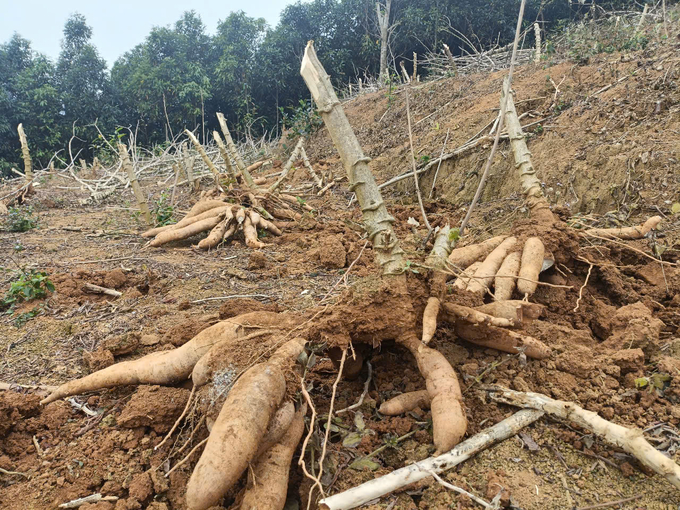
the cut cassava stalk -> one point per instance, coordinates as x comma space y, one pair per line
449, 421
532, 263
234, 152
405, 402
502, 339
136, 188
412, 473
454, 312
522, 313
25, 153
627, 233
225, 155
485, 274
377, 220
165, 367
188, 162
630, 440
531, 186
289, 164
468, 255
506, 281
310, 168
201, 151
268, 480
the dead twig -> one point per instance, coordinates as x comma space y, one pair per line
413, 161
580, 291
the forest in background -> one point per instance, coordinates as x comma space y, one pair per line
180, 76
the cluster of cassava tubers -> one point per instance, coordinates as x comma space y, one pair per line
223, 220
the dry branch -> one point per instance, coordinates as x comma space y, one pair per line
630, 440
234, 152
136, 188
400, 478
202, 153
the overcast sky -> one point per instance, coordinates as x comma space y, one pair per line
117, 25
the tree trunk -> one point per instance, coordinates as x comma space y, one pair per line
377, 220
384, 24
136, 188
28, 164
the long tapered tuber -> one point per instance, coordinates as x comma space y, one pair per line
454, 312
463, 279
236, 435
532, 262
502, 339
522, 313
449, 421
177, 234
430, 319
165, 367
405, 402
467, 255
485, 274
506, 278
268, 483
637, 232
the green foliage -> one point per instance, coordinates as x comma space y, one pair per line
163, 211
588, 38
301, 120
20, 219
27, 286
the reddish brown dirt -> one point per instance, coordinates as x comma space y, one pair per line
624, 329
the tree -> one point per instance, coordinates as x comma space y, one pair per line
383, 13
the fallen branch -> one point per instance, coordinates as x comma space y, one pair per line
407, 475
630, 440
93, 498
101, 290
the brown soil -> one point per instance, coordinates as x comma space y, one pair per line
613, 152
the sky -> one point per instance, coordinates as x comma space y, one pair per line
120, 25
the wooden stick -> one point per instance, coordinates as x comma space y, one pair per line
28, 164
289, 164
504, 105
413, 160
93, 498
234, 152
225, 155
630, 440
610, 503
436, 173
101, 290
202, 153
136, 188
407, 475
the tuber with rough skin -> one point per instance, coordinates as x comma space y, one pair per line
405, 402
506, 278
178, 234
462, 281
164, 367
467, 255
485, 274
430, 319
502, 339
268, 480
627, 233
530, 269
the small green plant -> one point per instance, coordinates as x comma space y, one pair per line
538, 129
23, 318
423, 160
20, 219
28, 285
163, 211
301, 120
409, 267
